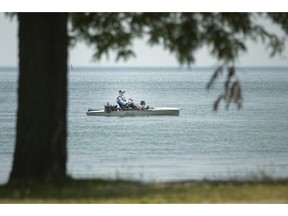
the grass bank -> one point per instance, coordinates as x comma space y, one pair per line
118, 191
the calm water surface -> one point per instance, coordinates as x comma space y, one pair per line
198, 144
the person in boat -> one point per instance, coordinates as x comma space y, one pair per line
123, 103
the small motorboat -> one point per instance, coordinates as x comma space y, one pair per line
112, 111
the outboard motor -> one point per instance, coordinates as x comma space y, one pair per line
142, 103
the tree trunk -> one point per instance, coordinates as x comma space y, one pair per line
40, 152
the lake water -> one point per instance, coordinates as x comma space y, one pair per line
198, 144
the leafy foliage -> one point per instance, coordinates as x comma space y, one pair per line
180, 33
232, 89
280, 19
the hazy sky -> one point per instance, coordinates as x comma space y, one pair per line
81, 55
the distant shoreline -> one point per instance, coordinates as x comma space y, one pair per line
160, 68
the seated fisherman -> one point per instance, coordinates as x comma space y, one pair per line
122, 102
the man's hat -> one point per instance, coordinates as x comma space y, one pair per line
121, 91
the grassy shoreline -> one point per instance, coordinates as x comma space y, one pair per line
122, 191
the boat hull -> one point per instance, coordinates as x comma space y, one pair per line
150, 112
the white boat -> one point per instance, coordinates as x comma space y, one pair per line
147, 112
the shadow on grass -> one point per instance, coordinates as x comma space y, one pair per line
125, 191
